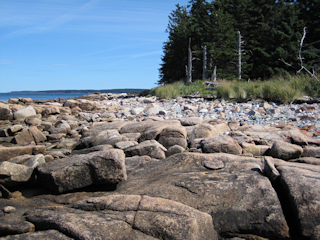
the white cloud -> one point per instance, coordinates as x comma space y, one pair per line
46, 17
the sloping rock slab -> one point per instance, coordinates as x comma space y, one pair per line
7, 153
43, 235
78, 171
126, 217
301, 183
239, 198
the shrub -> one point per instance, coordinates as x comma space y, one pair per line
281, 89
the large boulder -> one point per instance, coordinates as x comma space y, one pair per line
202, 131
13, 174
231, 188
150, 147
301, 183
24, 113
5, 112
30, 135
310, 151
173, 135
78, 171
24, 137
285, 151
106, 137
255, 150
224, 144
126, 217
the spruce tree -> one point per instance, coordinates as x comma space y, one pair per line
174, 60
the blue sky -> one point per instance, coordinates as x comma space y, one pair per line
82, 44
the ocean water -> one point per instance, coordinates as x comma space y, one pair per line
39, 96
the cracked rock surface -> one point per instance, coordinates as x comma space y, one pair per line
107, 166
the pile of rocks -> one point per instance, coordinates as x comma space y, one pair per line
124, 167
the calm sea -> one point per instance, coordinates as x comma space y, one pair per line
39, 96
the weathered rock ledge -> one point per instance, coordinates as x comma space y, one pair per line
111, 166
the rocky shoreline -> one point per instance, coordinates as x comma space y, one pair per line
117, 166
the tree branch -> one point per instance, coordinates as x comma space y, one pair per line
300, 56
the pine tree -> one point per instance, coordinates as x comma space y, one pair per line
174, 60
271, 31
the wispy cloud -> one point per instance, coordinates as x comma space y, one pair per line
58, 19
139, 55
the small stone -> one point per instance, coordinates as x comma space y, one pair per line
213, 164
9, 209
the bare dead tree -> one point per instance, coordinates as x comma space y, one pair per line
302, 67
240, 42
204, 68
214, 74
189, 71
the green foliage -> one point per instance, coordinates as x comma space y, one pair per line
271, 32
177, 89
168, 91
281, 89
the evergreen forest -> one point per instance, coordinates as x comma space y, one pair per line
271, 35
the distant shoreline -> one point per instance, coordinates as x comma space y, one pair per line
88, 91
63, 94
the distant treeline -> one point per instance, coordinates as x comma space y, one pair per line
131, 91
271, 33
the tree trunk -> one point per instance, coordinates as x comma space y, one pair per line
189, 75
204, 69
239, 54
214, 74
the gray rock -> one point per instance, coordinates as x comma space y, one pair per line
24, 137
7, 153
13, 174
150, 147
78, 171
37, 135
308, 160
106, 137
285, 151
191, 121
125, 144
301, 184
5, 112
43, 235
29, 160
310, 151
137, 111
127, 217
224, 144
173, 135
9, 209
92, 149
175, 149
24, 113
68, 144
15, 227
269, 169
34, 120
202, 131
255, 150
14, 129
238, 197
60, 127
136, 162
